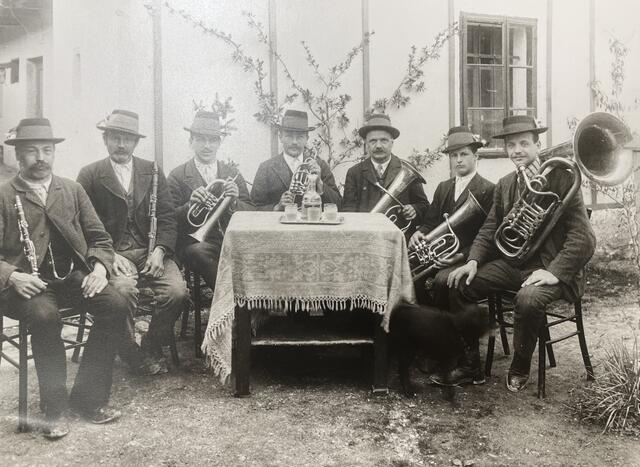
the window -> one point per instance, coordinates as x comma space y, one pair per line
498, 68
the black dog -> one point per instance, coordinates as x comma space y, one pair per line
437, 335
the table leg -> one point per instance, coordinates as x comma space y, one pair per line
380, 358
241, 352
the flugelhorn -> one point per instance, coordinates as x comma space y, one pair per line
300, 178
389, 204
27, 245
213, 213
442, 242
199, 213
599, 150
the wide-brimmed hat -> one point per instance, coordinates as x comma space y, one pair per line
515, 124
206, 123
460, 137
378, 122
295, 120
32, 129
121, 120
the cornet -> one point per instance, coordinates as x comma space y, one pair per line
300, 178
199, 213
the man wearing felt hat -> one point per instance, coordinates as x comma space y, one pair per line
188, 184
70, 266
120, 189
360, 190
271, 184
554, 271
450, 195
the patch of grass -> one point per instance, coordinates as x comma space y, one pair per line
614, 398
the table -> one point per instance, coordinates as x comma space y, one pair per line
361, 263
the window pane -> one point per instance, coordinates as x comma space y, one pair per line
520, 46
486, 123
484, 43
491, 88
520, 89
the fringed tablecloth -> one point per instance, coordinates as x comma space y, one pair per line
361, 263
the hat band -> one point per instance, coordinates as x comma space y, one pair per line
523, 127
122, 122
34, 132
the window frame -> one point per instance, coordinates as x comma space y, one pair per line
505, 22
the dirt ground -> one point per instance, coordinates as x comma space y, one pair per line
315, 408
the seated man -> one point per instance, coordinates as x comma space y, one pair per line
449, 196
68, 264
554, 271
360, 191
270, 191
120, 188
188, 184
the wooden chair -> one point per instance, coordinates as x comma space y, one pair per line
200, 293
19, 340
497, 308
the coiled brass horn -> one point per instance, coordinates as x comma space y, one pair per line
300, 178
442, 242
205, 215
407, 175
599, 150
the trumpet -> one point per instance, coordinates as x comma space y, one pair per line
199, 213
300, 178
442, 242
27, 244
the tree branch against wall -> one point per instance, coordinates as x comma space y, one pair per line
336, 140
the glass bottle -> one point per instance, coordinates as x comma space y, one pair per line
311, 201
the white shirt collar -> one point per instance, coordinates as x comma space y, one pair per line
123, 172
466, 178
40, 188
208, 172
293, 162
384, 164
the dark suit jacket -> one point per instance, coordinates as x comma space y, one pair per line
566, 250
274, 176
185, 178
443, 202
108, 197
361, 194
68, 209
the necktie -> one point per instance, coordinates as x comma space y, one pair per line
380, 170
41, 191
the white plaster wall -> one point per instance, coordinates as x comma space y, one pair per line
14, 96
196, 66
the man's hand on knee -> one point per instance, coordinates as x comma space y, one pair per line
469, 271
540, 277
26, 285
122, 265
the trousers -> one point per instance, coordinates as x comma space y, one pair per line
203, 258
92, 386
170, 293
529, 305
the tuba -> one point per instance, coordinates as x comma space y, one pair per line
389, 204
204, 216
599, 150
442, 242
300, 178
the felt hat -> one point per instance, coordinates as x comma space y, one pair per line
378, 122
515, 124
121, 120
461, 136
32, 129
206, 123
295, 120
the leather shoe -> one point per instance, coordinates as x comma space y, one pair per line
55, 429
101, 415
516, 382
459, 377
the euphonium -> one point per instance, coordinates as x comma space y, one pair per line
199, 213
442, 242
212, 212
300, 178
599, 150
25, 239
407, 175
535, 212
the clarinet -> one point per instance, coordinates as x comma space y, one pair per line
27, 245
153, 201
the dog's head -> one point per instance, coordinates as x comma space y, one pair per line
473, 324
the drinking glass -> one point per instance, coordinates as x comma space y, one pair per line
330, 212
291, 212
